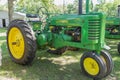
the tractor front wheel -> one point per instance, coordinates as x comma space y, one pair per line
21, 42
97, 66
92, 65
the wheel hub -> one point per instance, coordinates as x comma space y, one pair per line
17, 43
91, 66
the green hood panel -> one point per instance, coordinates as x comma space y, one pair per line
71, 20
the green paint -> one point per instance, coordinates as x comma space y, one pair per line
92, 31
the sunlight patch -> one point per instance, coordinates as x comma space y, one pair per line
8, 78
65, 60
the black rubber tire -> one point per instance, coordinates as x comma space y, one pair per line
59, 51
29, 41
97, 58
109, 63
119, 48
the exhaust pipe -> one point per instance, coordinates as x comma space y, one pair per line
80, 7
87, 6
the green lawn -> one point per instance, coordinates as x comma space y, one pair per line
53, 67
3, 30
2, 37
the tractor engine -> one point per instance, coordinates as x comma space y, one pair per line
74, 33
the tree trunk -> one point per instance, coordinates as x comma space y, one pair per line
10, 10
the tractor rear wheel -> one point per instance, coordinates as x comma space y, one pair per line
21, 42
119, 48
92, 65
58, 51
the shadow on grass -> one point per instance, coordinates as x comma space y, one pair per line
53, 67
115, 56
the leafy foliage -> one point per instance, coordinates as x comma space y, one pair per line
33, 6
109, 8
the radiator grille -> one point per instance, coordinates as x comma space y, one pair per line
93, 29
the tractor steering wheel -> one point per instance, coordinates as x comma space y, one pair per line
43, 12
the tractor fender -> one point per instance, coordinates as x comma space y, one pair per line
106, 47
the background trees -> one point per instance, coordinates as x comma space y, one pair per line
32, 6
109, 8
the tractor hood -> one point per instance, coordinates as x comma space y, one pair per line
71, 20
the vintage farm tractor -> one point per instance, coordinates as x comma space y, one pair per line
113, 27
85, 31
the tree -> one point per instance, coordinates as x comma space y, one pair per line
10, 9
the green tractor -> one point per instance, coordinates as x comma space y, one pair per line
113, 27
60, 31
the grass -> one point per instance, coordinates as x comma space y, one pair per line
2, 30
53, 67
2, 37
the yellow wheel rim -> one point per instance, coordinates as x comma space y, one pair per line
91, 66
16, 43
